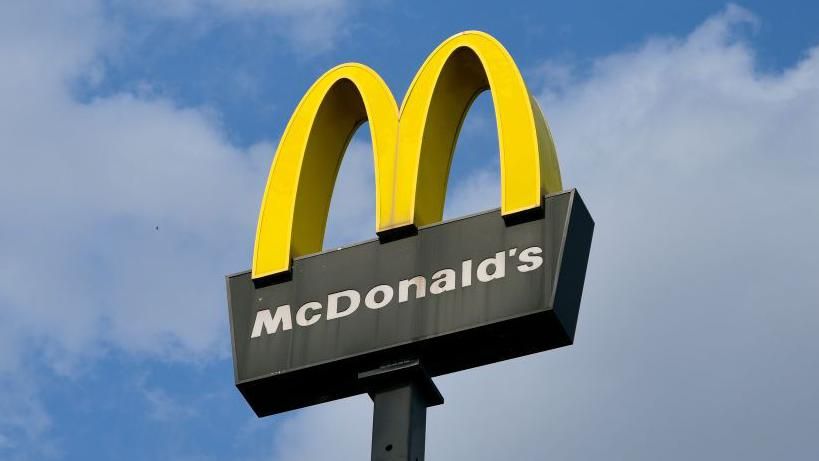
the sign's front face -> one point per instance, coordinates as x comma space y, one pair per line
459, 294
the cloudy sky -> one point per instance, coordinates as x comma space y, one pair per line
136, 137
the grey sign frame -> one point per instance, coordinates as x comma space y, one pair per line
521, 313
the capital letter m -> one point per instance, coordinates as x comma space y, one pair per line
412, 150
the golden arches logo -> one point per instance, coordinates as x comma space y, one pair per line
412, 148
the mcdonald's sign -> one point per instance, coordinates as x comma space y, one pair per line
452, 295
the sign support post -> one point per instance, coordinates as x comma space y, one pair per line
401, 393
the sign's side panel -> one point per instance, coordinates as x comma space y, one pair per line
229, 281
241, 310
571, 270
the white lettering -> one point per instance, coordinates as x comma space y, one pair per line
301, 314
443, 280
332, 303
530, 259
466, 273
271, 323
386, 292
420, 284
346, 302
499, 265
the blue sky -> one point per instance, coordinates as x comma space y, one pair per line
136, 138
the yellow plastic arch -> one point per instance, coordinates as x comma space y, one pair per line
434, 108
411, 153
296, 200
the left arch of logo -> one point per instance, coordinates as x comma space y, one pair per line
412, 150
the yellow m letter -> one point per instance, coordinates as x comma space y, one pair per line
412, 151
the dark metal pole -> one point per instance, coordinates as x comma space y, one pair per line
401, 394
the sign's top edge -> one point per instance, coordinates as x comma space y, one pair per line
365, 242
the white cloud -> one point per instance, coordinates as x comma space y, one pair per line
121, 215
161, 406
352, 208
696, 338
477, 192
334, 430
22, 414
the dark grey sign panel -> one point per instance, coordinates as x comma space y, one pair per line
459, 294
